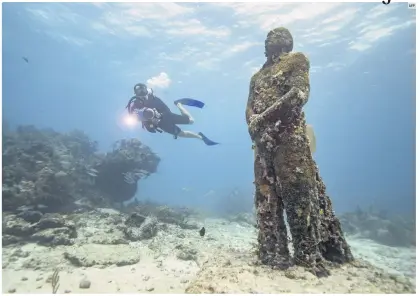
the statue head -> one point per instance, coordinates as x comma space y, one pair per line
278, 41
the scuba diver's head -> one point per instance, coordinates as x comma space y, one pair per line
141, 90
141, 95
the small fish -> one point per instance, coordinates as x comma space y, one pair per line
25, 59
202, 231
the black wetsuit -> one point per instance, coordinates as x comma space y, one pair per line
169, 120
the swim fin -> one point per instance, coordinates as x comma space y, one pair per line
190, 102
207, 141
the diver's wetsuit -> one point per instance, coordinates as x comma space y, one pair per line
169, 120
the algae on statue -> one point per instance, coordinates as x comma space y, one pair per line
286, 176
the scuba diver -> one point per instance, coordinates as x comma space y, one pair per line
156, 116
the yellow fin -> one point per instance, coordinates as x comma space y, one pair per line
311, 136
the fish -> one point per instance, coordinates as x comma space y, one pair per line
25, 59
202, 231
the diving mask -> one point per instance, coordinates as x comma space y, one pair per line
141, 90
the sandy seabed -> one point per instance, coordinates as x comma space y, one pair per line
180, 261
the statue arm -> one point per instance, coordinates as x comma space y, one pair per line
249, 112
298, 81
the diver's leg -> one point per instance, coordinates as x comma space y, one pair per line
188, 134
170, 128
185, 113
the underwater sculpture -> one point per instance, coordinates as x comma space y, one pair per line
286, 176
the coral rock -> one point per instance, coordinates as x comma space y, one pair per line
147, 230
59, 170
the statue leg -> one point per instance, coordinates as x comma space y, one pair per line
272, 233
298, 189
333, 246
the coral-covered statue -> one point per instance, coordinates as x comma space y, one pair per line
288, 185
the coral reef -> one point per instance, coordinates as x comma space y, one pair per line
172, 215
50, 230
175, 259
395, 230
145, 228
120, 169
49, 171
54, 229
288, 184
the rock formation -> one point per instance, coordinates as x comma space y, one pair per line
50, 170
119, 171
287, 179
53, 229
381, 226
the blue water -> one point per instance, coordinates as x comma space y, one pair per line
85, 58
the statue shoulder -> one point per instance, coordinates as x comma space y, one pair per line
297, 60
255, 77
